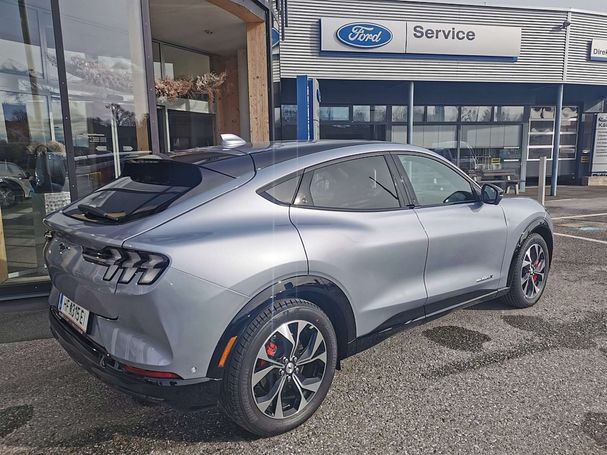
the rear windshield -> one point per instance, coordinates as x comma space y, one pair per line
149, 186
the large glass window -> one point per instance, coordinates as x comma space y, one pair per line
33, 171
358, 184
442, 114
542, 128
435, 136
476, 113
486, 148
106, 86
435, 183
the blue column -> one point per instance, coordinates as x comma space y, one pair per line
410, 112
303, 112
557, 140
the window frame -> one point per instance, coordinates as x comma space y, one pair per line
474, 186
403, 195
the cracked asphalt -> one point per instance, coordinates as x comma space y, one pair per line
488, 379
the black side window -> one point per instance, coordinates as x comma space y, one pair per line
358, 184
283, 192
435, 183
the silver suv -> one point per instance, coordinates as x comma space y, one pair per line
243, 275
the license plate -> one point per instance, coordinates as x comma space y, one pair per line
74, 313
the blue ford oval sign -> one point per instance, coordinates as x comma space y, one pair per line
364, 35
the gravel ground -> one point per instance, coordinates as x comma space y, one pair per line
488, 379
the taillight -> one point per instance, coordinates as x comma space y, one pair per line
128, 263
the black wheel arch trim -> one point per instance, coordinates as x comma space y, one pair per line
537, 226
318, 290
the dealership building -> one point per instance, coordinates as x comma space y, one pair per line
492, 88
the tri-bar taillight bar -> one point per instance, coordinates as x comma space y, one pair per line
128, 263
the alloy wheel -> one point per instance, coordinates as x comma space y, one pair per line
289, 369
533, 271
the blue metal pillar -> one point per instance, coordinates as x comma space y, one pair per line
557, 140
303, 112
410, 113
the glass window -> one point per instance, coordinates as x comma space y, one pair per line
289, 113
399, 113
151, 186
418, 113
476, 113
542, 113
435, 183
346, 131
442, 114
180, 63
33, 163
106, 86
157, 61
361, 113
434, 136
190, 130
20, 39
491, 149
378, 113
399, 134
284, 192
358, 184
337, 113
509, 113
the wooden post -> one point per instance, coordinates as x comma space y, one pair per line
258, 82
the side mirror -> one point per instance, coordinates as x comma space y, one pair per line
491, 194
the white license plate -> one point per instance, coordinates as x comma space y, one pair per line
74, 313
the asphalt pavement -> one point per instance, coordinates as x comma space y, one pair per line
488, 379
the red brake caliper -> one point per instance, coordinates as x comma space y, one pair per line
271, 349
535, 266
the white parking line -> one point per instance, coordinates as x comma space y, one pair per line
578, 216
581, 238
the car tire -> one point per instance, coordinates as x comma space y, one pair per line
529, 273
263, 368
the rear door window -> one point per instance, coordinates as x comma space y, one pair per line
357, 184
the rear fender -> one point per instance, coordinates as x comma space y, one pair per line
320, 291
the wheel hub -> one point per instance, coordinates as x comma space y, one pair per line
289, 368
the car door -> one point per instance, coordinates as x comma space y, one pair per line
358, 231
467, 238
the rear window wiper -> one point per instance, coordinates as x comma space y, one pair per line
96, 212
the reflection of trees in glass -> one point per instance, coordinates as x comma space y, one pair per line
97, 74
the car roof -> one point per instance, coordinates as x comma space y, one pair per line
272, 153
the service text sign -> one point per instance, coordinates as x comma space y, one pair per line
362, 36
470, 40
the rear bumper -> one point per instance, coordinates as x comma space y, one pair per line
179, 393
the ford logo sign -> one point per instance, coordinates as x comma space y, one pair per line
364, 35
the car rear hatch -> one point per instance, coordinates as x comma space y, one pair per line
150, 192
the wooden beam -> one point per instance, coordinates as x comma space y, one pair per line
238, 9
227, 103
258, 82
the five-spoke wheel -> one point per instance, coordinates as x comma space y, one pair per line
281, 368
